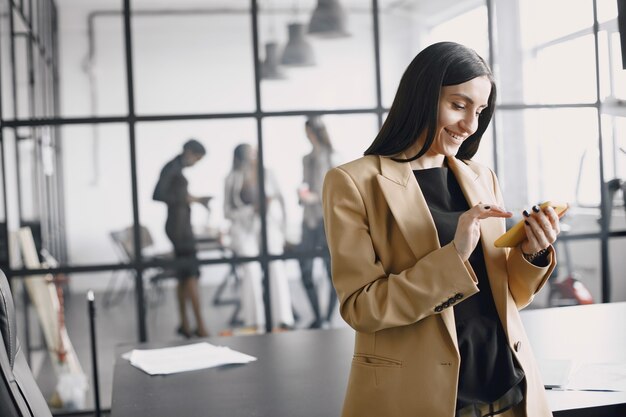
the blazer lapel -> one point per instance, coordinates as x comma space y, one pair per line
412, 215
408, 206
477, 190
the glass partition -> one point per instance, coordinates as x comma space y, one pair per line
316, 71
92, 67
195, 59
406, 29
543, 156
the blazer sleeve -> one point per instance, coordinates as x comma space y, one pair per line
370, 298
525, 279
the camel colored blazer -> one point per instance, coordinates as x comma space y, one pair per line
397, 288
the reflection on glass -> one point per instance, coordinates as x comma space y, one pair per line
97, 190
543, 156
320, 72
193, 60
406, 30
93, 64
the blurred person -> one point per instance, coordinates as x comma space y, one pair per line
315, 165
411, 229
242, 208
172, 189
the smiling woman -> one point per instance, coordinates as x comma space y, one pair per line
404, 224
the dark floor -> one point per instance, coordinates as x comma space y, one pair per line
117, 324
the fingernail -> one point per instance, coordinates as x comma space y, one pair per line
487, 207
526, 213
526, 222
536, 209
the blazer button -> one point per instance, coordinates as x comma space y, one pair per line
438, 309
458, 296
446, 304
452, 300
517, 346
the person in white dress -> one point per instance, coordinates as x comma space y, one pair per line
241, 207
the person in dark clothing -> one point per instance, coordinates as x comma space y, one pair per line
314, 167
411, 228
172, 189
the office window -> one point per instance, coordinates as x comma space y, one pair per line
97, 191
406, 30
160, 142
193, 60
22, 66
6, 83
614, 137
607, 10
546, 157
541, 61
286, 144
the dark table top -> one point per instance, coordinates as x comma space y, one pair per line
298, 373
304, 373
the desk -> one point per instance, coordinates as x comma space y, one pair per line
304, 373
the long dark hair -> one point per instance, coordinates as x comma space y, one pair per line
317, 126
416, 105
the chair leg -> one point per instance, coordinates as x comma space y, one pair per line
217, 298
114, 293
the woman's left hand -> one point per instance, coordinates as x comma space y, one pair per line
542, 228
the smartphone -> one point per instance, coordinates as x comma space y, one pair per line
516, 234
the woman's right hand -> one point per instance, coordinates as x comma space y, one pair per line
467, 232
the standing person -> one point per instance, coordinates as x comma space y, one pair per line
411, 229
315, 165
172, 189
241, 206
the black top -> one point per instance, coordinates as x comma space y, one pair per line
172, 189
488, 370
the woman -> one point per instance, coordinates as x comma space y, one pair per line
315, 165
172, 189
410, 228
241, 206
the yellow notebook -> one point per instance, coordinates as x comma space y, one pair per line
516, 234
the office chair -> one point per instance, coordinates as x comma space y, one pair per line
124, 246
19, 394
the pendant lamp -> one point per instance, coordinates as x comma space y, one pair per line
269, 68
328, 20
298, 52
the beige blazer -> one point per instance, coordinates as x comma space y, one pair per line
397, 288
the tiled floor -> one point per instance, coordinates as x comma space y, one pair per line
117, 325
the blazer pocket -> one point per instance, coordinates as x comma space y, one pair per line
375, 361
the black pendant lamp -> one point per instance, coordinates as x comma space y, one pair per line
298, 52
269, 68
328, 20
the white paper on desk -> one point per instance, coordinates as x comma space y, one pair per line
598, 377
185, 358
